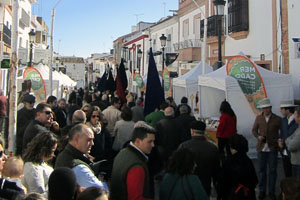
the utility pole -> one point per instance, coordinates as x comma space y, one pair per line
51, 46
13, 79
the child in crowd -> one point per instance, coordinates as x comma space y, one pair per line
13, 171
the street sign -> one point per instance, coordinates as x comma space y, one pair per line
170, 58
5, 63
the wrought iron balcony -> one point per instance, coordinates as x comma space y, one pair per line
212, 26
6, 35
191, 43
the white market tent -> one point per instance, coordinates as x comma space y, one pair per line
216, 86
60, 81
187, 84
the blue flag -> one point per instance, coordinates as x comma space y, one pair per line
154, 92
102, 84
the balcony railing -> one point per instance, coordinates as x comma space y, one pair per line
212, 26
6, 35
191, 43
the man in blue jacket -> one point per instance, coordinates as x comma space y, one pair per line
288, 127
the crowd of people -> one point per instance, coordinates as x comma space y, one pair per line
94, 146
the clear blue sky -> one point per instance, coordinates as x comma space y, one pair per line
83, 27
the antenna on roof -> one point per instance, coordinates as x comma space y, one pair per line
137, 17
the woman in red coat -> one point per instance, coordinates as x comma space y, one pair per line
226, 128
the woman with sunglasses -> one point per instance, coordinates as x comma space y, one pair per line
102, 143
36, 170
87, 109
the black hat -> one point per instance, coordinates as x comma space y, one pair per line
62, 184
198, 125
29, 98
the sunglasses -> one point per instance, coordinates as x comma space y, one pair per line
94, 116
85, 110
47, 112
1, 153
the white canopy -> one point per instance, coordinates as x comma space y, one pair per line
216, 86
60, 81
187, 84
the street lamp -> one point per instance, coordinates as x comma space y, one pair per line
31, 41
219, 12
163, 41
139, 55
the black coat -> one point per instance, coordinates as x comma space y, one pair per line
237, 171
24, 116
61, 117
169, 135
185, 120
207, 160
34, 128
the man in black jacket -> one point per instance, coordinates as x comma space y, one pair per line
207, 156
170, 134
185, 119
38, 125
76, 156
24, 116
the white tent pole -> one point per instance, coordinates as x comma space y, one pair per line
203, 48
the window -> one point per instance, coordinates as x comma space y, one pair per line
185, 29
238, 19
197, 27
212, 26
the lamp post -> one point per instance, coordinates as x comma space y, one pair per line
139, 55
31, 40
219, 12
163, 41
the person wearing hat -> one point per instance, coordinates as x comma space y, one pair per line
266, 129
293, 146
288, 127
207, 156
24, 116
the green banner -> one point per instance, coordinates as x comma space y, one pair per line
248, 78
166, 77
139, 80
37, 83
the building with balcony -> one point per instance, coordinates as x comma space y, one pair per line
74, 67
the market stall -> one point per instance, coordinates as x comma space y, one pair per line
216, 86
187, 84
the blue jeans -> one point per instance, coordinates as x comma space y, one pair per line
267, 160
296, 171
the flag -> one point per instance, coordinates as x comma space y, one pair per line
123, 75
110, 82
154, 91
120, 87
102, 84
